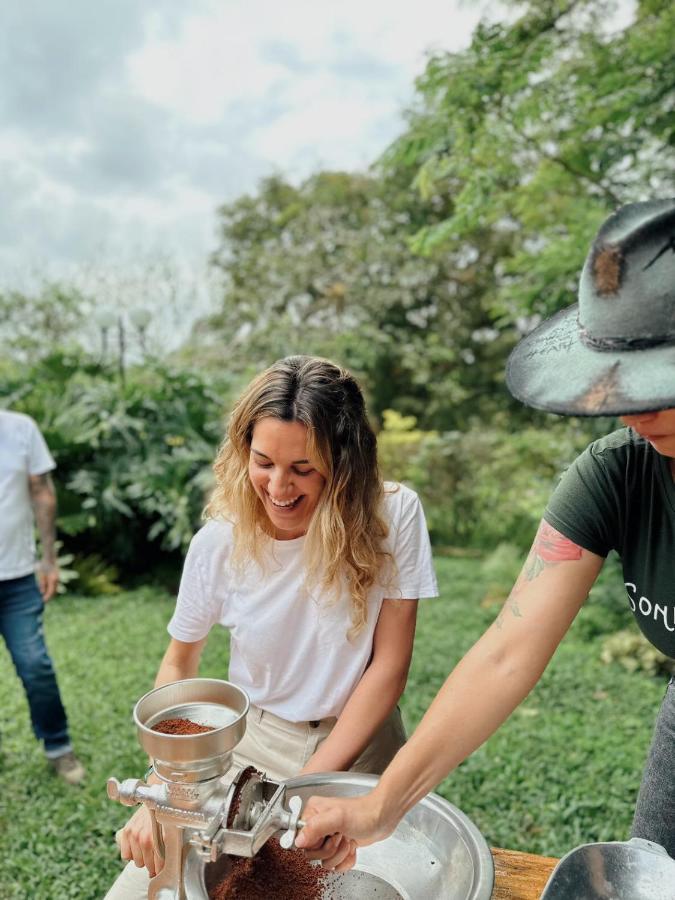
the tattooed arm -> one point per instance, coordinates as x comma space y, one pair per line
43, 499
548, 549
485, 687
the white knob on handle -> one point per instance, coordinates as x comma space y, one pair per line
288, 838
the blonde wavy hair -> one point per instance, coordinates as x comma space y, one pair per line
345, 538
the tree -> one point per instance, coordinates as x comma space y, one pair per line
539, 130
31, 325
326, 268
422, 274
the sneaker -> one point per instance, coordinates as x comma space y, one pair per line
68, 767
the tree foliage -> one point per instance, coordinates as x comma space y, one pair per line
327, 268
133, 458
422, 274
32, 324
538, 131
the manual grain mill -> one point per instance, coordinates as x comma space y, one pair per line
198, 815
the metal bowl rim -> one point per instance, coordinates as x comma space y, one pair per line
485, 875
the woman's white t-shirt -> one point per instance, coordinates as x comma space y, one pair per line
289, 648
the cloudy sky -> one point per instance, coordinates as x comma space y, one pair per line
125, 123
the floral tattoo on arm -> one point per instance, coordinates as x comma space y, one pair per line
549, 548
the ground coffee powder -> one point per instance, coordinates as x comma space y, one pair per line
180, 726
272, 873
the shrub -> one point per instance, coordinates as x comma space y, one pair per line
482, 487
606, 611
634, 653
133, 458
95, 577
399, 443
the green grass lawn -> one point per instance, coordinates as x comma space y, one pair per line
564, 770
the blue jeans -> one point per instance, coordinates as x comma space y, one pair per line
655, 810
21, 611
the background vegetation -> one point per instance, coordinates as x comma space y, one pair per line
420, 275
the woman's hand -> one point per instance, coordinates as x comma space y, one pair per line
335, 827
135, 842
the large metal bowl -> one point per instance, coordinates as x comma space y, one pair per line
436, 852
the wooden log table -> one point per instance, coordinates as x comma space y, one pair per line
520, 876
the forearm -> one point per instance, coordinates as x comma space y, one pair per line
372, 701
473, 702
498, 672
43, 499
175, 669
477, 697
485, 687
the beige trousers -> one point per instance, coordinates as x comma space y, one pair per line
280, 749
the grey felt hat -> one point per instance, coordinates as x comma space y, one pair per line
613, 352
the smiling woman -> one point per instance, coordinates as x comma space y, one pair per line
314, 565
288, 487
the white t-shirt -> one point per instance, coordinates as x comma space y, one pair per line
289, 650
23, 452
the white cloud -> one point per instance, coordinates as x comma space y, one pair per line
199, 74
222, 55
172, 108
332, 128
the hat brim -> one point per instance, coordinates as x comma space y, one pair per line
553, 370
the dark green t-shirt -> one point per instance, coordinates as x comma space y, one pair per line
619, 495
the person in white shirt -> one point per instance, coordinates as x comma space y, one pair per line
314, 565
27, 496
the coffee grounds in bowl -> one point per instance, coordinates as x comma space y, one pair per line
180, 726
272, 873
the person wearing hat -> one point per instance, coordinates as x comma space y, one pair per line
612, 354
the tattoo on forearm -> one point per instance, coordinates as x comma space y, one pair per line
549, 548
43, 497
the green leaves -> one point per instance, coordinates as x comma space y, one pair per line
544, 126
482, 487
132, 460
